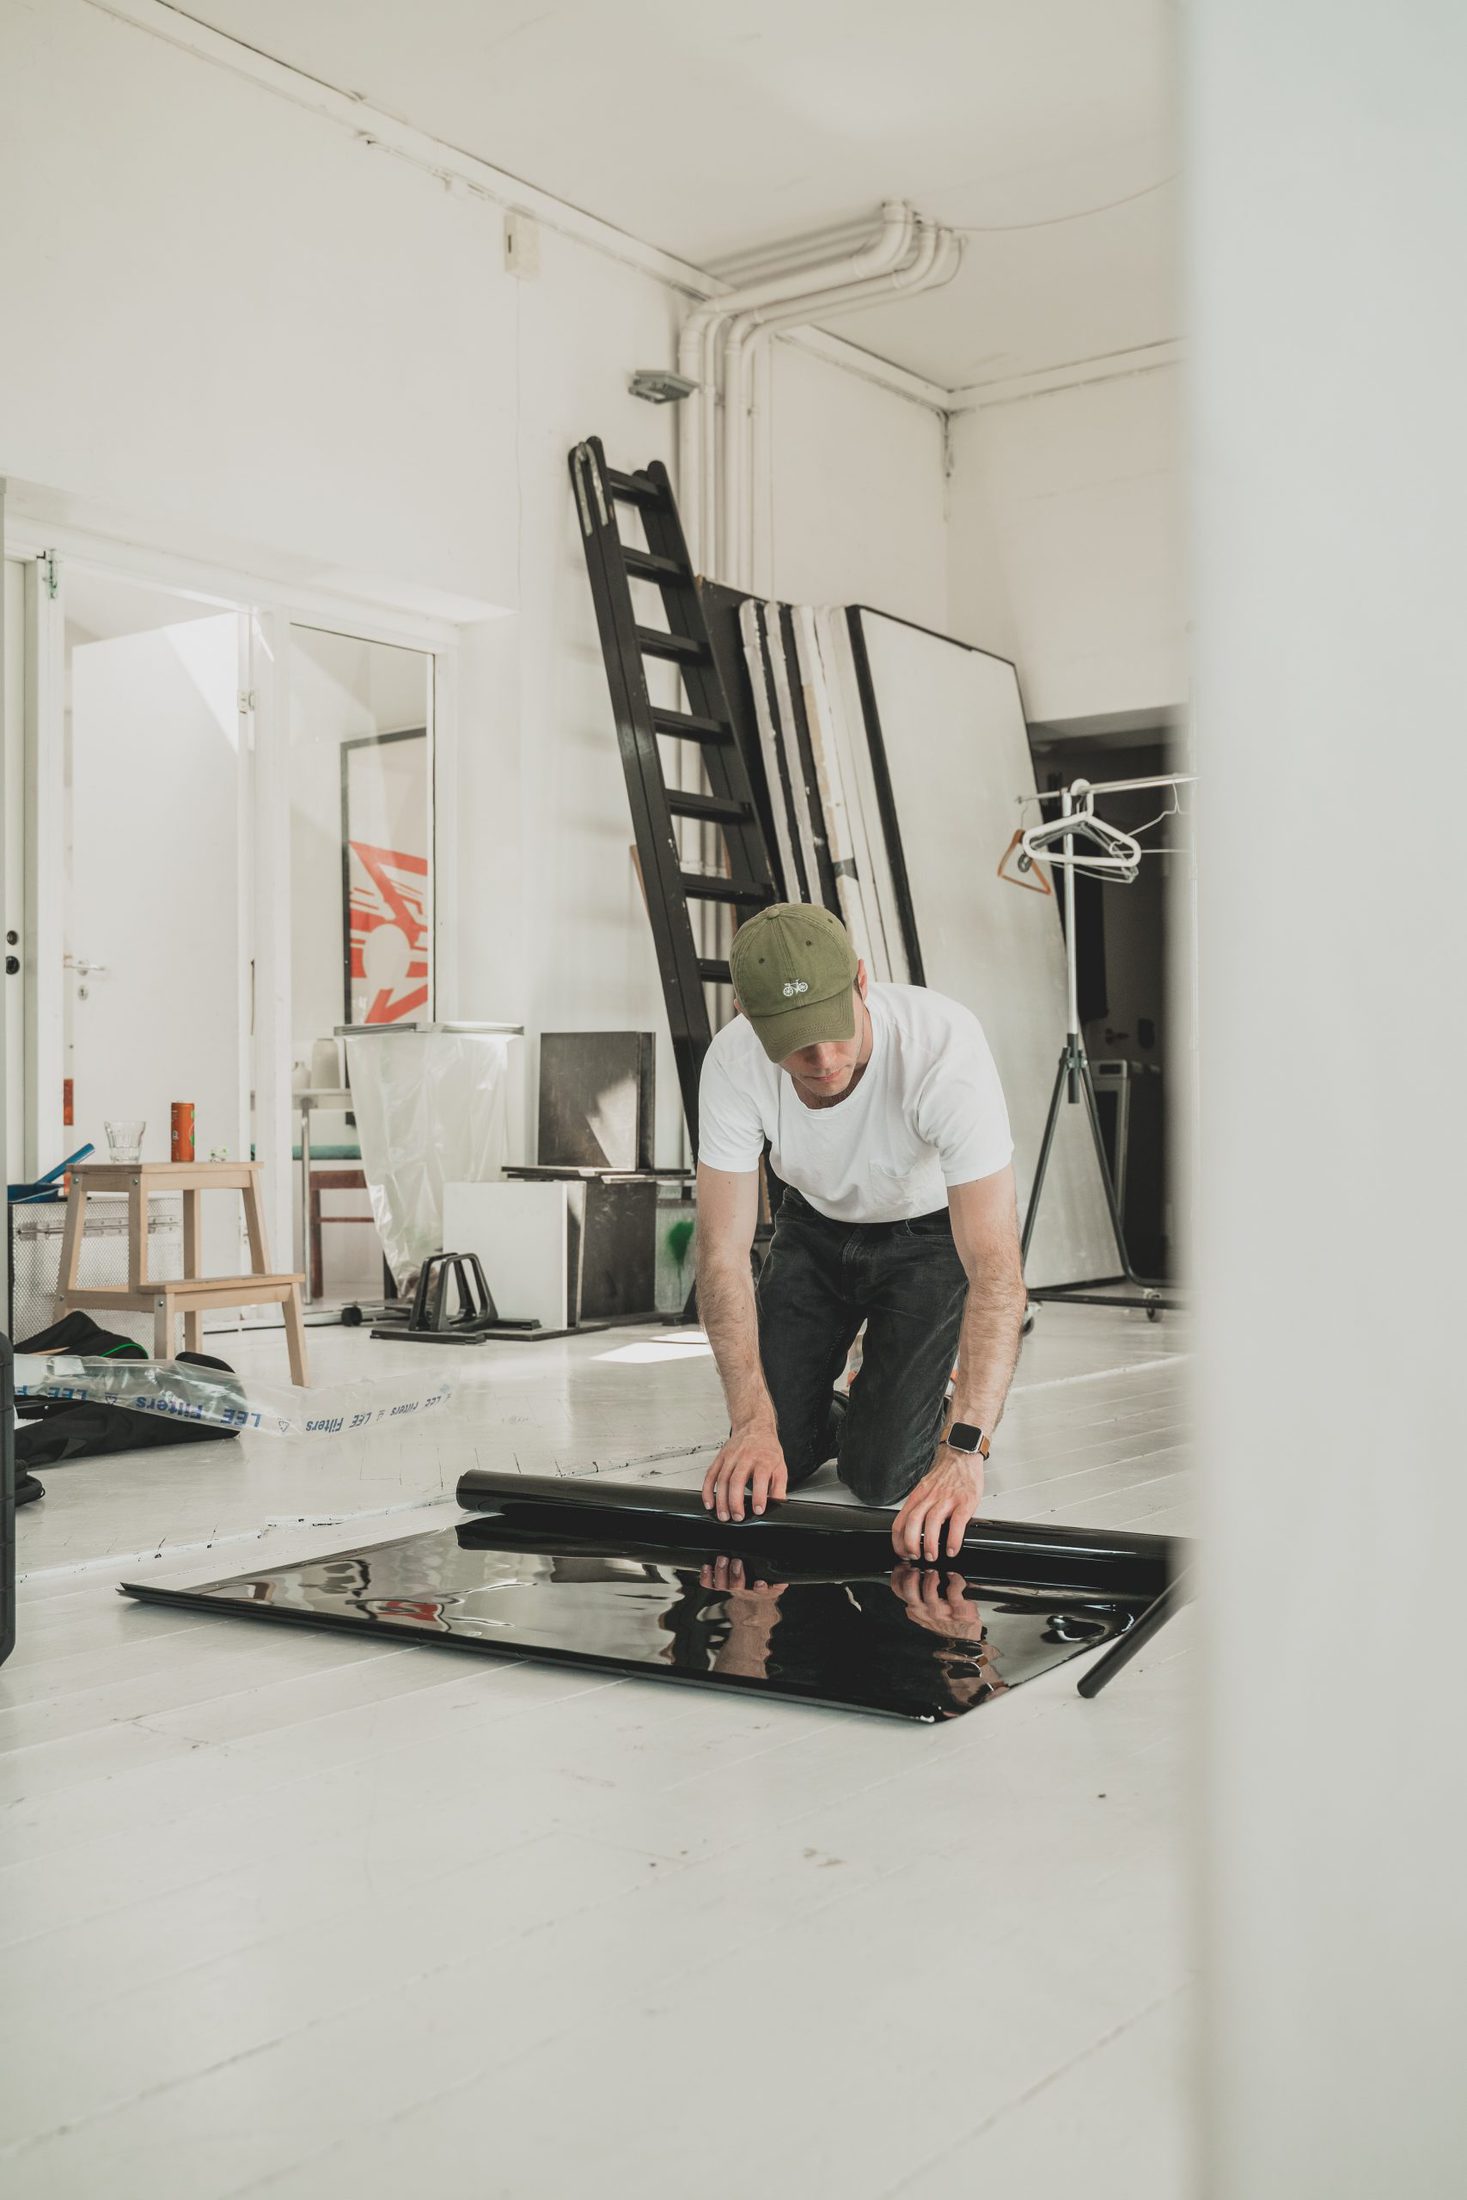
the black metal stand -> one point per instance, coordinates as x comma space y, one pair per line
1072, 1082
472, 1318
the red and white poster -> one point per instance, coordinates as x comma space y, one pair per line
386, 876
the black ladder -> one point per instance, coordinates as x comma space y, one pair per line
747, 881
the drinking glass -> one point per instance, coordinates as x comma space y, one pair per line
124, 1141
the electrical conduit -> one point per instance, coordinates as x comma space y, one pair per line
697, 416
935, 262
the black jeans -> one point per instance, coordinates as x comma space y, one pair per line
821, 1280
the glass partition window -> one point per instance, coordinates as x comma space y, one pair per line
361, 916
387, 959
361, 837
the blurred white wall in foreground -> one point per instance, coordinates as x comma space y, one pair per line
1328, 217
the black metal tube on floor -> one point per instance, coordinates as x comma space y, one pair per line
1125, 1646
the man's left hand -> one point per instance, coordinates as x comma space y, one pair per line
947, 1497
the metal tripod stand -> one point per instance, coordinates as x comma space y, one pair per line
1072, 1083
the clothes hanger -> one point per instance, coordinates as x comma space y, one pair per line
1111, 853
1026, 871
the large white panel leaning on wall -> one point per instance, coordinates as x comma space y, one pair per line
943, 724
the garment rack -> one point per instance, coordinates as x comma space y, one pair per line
1073, 1083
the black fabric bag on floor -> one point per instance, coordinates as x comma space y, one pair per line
76, 1333
60, 1430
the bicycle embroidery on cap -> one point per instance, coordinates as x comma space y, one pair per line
795, 985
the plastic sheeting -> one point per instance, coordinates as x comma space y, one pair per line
430, 1110
183, 1393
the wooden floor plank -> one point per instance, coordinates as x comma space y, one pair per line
289, 1913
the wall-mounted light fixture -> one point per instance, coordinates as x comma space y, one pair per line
660, 386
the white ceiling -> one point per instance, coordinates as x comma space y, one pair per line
712, 130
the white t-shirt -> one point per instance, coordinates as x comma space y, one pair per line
927, 1112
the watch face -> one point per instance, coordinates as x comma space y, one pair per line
964, 1437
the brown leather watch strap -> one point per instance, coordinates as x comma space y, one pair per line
964, 1451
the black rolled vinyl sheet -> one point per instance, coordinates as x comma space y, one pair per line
807, 1602
538, 1505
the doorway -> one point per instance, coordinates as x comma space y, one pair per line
154, 945
221, 828
1126, 961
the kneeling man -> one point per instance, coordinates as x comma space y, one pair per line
887, 1126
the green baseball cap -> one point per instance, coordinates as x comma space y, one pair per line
793, 969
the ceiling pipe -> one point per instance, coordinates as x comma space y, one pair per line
888, 249
794, 254
734, 496
935, 262
735, 386
697, 415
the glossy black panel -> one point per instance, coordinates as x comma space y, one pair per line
815, 1610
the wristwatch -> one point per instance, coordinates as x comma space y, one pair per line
963, 1436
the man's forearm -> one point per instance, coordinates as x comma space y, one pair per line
731, 1324
988, 1348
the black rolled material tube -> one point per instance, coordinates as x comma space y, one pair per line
799, 1537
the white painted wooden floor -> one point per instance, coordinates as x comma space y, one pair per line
294, 1915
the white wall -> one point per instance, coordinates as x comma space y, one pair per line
1067, 544
227, 315
1329, 179
854, 493
241, 327
554, 934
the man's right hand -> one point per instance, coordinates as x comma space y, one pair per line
751, 1465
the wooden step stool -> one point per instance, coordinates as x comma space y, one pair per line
189, 1294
